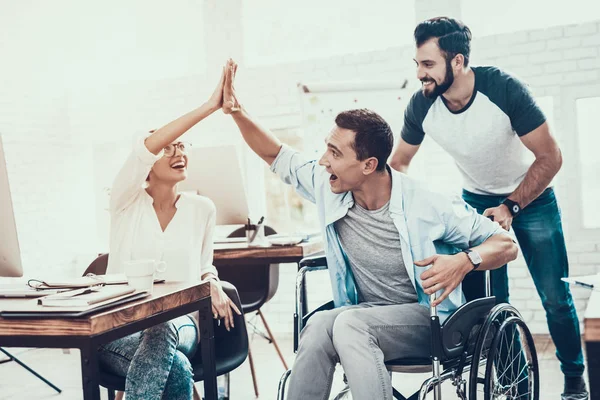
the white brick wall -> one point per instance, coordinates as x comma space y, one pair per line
50, 185
425, 9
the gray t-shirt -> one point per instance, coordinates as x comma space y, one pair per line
372, 244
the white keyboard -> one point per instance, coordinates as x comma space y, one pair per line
230, 240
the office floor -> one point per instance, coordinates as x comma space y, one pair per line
63, 370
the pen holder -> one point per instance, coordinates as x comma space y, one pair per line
255, 235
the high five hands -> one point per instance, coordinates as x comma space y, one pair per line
230, 103
223, 97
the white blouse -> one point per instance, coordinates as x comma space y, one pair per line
186, 245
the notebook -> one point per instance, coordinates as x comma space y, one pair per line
65, 282
119, 279
21, 290
81, 282
85, 297
31, 309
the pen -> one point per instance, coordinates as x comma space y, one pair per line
260, 221
587, 285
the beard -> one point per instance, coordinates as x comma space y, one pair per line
440, 89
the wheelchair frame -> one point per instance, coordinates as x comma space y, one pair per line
457, 366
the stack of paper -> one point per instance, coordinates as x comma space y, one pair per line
87, 281
62, 282
86, 297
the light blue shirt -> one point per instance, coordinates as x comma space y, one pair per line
428, 223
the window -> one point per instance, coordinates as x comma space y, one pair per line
589, 164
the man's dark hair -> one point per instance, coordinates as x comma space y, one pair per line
453, 36
374, 137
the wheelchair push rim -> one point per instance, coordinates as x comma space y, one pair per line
485, 338
513, 372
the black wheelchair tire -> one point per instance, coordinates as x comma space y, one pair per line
534, 368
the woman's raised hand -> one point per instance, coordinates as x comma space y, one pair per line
216, 99
230, 102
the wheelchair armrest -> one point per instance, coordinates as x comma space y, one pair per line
301, 282
327, 306
299, 323
299, 317
313, 261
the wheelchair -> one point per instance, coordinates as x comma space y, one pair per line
487, 342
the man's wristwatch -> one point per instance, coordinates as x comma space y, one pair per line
474, 257
512, 206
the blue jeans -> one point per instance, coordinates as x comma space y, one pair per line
538, 229
155, 361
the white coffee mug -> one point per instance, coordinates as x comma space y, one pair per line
140, 273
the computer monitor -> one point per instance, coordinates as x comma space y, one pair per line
215, 172
10, 254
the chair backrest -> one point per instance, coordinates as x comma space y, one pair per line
231, 347
255, 283
98, 266
473, 285
460, 329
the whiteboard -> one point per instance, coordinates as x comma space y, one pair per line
322, 102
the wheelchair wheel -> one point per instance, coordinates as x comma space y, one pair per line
485, 337
511, 368
515, 377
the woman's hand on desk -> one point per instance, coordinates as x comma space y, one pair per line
222, 305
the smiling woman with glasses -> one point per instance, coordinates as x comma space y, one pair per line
150, 219
170, 149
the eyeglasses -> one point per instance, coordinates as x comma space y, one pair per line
171, 149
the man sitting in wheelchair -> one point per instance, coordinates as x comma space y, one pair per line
389, 242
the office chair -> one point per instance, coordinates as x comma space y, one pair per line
256, 285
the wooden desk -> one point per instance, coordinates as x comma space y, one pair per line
591, 335
169, 300
241, 253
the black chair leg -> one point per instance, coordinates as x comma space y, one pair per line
398, 396
227, 386
415, 396
15, 359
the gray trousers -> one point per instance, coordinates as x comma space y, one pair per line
361, 338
